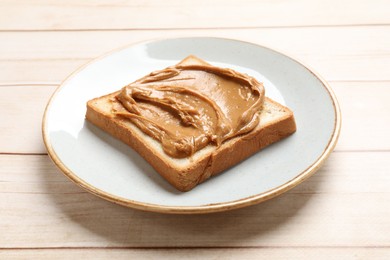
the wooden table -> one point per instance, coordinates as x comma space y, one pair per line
343, 211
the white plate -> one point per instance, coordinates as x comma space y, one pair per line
110, 169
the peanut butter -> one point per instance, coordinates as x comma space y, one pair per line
187, 107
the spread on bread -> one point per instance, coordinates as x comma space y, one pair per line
187, 107
192, 120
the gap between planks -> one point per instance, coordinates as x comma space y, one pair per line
57, 84
334, 151
196, 247
193, 28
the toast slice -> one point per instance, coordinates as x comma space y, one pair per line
276, 123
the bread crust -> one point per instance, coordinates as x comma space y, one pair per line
198, 168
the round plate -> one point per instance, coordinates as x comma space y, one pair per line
110, 169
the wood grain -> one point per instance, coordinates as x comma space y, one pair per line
94, 14
341, 212
332, 52
365, 115
348, 253
21, 117
42, 208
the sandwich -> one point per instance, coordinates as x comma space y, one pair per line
192, 120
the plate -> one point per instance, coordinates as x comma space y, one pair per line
110, 169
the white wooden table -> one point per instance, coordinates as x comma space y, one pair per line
343, 211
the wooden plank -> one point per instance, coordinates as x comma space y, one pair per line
348, 41
94, 14
365, 115
340, 206
21, 117
28, 57
37, 71
204, 253
354, 135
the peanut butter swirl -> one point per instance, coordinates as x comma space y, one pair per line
187, 107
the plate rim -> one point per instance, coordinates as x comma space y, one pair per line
206, 208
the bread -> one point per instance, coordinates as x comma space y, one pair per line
276, 123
